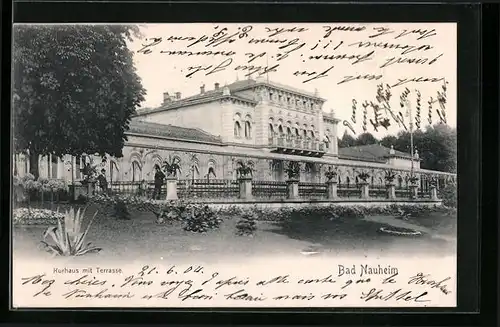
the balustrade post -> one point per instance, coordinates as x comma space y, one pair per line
413, 191
365, 190
171, 188
245, 184
434, 194
391, 191
332, 189
293, 188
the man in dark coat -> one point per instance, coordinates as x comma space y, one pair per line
159, 178
103, 183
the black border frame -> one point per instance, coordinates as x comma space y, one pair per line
470, 123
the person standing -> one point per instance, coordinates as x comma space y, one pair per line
159, 179
103, 183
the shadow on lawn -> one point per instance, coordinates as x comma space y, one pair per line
347, 234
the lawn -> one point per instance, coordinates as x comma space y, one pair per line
141, 238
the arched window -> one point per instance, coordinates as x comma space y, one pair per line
305, 133
248, 130
348, 180
288, 131
312, 134
280, 130
237, 129
400, 181
211, 170
327, 141
136, 171
113, 171
271, 130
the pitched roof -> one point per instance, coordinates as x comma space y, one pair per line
372, 152
213, 95
171, 131
207, 96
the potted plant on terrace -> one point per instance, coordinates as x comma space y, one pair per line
331, 175
363, 177
90, 171
171, 166
245, 169
389, 177
293, 170
331, 180
413, 180
413, 185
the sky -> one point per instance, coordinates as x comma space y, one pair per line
382, 51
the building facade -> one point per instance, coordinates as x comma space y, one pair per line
256, 121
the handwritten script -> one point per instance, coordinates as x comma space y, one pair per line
411, 62
197, 285
261, 50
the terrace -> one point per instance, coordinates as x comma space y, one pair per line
227, 190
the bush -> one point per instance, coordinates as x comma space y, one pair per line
449, 195
173, 211
81, 199
28, 216
120, 210
200, 219
246, 226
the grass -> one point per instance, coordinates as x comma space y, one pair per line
141, 238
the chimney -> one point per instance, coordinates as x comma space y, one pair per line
166, 97
177, 95
216, 86
202, 89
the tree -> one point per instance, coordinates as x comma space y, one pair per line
75, 88
388, 140
366, 139
437, 147
347, 140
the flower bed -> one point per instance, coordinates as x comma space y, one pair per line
399, 231
28, 216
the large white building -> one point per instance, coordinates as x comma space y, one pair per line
252, 120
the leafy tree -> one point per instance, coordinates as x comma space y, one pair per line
366, 139
74, 89
388, 140
346, 140
437, 147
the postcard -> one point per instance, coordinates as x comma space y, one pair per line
223, 165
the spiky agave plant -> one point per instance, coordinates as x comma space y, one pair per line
67, 236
